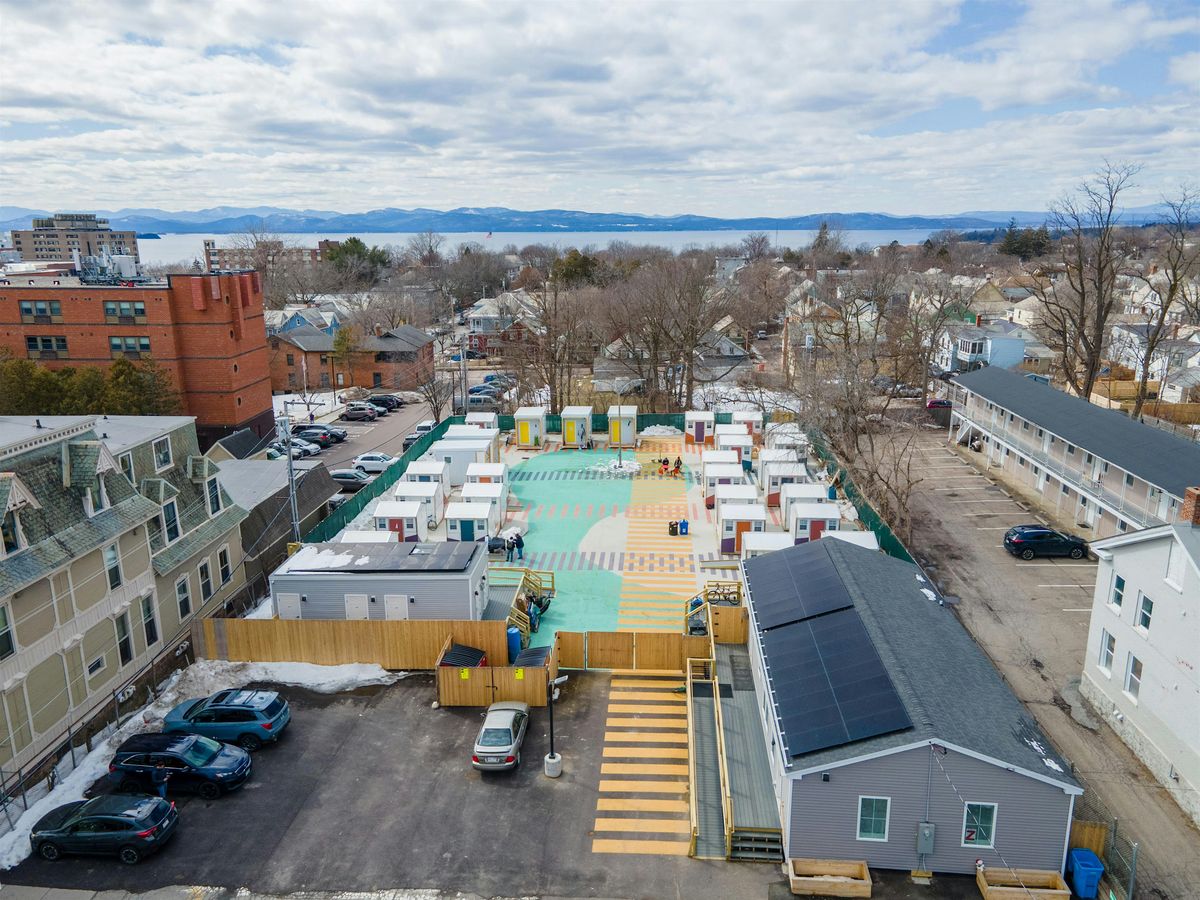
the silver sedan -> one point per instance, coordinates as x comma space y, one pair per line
498, 746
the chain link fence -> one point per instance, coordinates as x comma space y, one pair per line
1119, 851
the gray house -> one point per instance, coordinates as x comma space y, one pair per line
382, 581
891, 737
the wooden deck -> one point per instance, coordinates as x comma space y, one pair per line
754, 803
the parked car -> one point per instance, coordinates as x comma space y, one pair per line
471, 354
386, 400
424, 425
499, 378
938, 403
409, 440
498, 746
372, 462
908, 391
359, 414
310, 448
318, 436
1029, 541
379, 411
196, 764
130, 827
947, 377
351, 480
335, 434
761, 336
243, 717
298, 452
485, 390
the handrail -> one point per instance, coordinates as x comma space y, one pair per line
726, 795
691, 739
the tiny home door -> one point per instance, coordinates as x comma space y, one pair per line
466, 529
614, 431
816, 528
356, 606
523, 433
288, 605
569, 431
740, 529
395, 606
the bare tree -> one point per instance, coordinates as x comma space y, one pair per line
917, 327
437, 391
760, 295
424, 250
756, 245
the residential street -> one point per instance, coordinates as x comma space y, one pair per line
1032, 620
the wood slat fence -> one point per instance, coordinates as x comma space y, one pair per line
647, 650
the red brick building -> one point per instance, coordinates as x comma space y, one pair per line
206, 330
302, 358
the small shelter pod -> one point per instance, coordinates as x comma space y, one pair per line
429, 494
742, 492
404, 518
735, 520
861, 538
811, 520
577, 427
483, 419
530, 423
622, 426
698, 427
487, 473
780, 475
799, 492
720, 473
487, 492
768, 457
752, 421
757, 543
784, 434
427, 469
475, 433
713, 457
470, 521
740, 443
457, 455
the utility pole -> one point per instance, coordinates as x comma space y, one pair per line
283, 427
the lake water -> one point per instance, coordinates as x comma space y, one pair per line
172, 248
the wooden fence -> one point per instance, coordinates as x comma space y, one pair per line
1092, 835
485, 685
646, 650
409, 644
730, 624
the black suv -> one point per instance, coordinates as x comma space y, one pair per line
334, 434
128, 827
386, 400
1028, 541
195, 764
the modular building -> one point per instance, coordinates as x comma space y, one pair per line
735, 520
471, 521
577, 427
811, 520
742, 492
487, 492
475, 433
429, 494
404, 518
720, 473
713, 457
698, 427
779, 475
740, 443
487, 473
756, 543
483, 419
752, 421
458, 455
382, 581
622, 426
422, 470
865, 539
801, 492
530, 423
784, 436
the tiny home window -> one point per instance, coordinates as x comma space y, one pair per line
873, 814
979, 825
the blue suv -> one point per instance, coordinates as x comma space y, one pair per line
243, 717
193, 765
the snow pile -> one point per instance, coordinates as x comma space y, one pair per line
511, 532
206, 676
264, 609
661, 431
324, 558
930, 594
299, 405
618, 467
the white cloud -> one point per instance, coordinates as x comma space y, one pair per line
652, 107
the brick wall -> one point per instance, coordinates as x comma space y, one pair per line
393, 375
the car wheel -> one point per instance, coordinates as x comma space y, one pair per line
129, 786
1028, 553
131, 856
344, 417
209, 791
1077, 553
49, 850
361, 469
249, 742
518, 759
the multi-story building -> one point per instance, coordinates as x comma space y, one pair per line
303, 359
264, 255
1144, 647
116, 535
63, 235
962, 347
1097, 467
205, 330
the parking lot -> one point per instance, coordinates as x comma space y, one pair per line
373, 789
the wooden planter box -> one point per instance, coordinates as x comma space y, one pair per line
829, 877
1021, 884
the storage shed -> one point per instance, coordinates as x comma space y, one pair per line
698, 427
741, 492
487, 492
577, 427
427, 469
483, 419
740, 443
756, 543
487, 473
471, 521
457, 455
404, 518
811, 520
530, 423
871, 756
784, 434
720, 473
382, 581
622, 426
752, 421
714, 457
473, 433
861, 538
735, 519
800, 492
428, 493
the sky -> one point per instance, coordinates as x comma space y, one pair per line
724, 109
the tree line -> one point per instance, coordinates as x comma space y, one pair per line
126, 388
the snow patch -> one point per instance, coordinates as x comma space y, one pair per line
662, 431
1051, 764
920, 577
1037, 747
313, 558
264, 609
618, 467
362, 561
930, 594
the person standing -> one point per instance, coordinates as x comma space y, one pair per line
159, 778
519, 543
678, 467
509, 547
311, 417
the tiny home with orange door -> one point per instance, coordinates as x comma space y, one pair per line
735, 520
752, 421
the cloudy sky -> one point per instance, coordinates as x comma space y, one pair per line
771, 108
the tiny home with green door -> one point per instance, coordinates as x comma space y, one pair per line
471, 521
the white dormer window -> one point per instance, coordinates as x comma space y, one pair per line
170, 522
97, 496
214, 496
126, 461
13, 539
162, 454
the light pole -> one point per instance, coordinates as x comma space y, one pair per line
283, 428
553, 761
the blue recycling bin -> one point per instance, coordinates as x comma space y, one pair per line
1084, 870
514, 643
683, 526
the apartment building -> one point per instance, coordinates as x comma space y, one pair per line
205, 330
1097, 467
303, 358
116, 535
62, 235
264, 255
1144, 647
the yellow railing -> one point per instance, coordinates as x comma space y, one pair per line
539, 581
727, 592
726, 796
693, 818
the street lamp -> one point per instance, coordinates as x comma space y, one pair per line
553, 761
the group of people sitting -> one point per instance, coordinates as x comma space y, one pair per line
665, 466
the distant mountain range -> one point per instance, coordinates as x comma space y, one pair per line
231, 219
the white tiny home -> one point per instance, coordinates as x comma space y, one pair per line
779, 475
718, 457
735, 520
487, 492
811, 520
752, 421
757, 543
698, 427
530, 423
861, 538
429, 494
475, 433
743, 492
366, 537
784, 435
577, 427
427, 469
740, 443
800, 492
483, 419
720, 473
471, 521
622, 426
487, 473
772, 456
457, 455
404, 518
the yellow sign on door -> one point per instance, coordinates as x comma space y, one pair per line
523, 433
519, 674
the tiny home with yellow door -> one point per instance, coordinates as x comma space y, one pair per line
622, 426
577, 427
531, 426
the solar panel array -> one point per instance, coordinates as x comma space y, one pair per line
831, 687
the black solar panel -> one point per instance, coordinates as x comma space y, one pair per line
795, 584
830, 684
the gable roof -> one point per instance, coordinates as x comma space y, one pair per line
1156, 456
403, 339
1185, 533
950, 690
242, 443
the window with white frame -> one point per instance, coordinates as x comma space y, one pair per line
149, 621
214, 497
223, 564
1145, 612
95, 665
1108, 650
8, 644
1133, 676
979, 825
126, 461
162, 454
1118, 592
124, 639
873, 815
112, 565
183, 596
170, 521
206, 587
10, 532
97, 497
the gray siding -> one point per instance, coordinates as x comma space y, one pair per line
1031, 817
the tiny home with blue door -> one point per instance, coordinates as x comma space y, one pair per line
471, 521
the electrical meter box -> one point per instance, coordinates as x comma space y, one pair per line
925, 835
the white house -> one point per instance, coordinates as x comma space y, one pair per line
1144, 647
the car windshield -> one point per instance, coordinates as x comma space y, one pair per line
495, 737
273, 708
202, 752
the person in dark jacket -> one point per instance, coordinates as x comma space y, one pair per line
509, 547
519, 543
159, 778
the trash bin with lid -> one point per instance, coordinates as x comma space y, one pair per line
683, 526
1084, 870
673, 529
